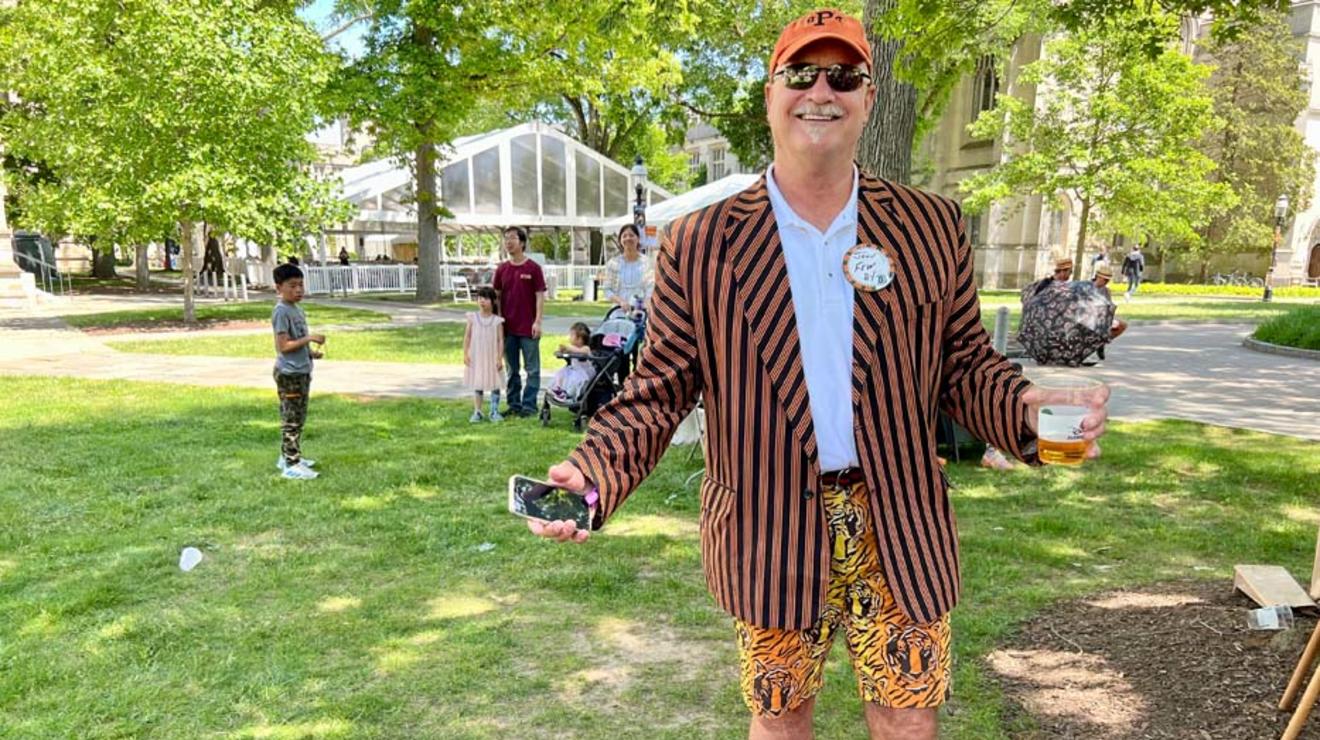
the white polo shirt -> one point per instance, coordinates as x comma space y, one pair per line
823, 305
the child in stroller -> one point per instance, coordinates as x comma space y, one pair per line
607, 350
570, 378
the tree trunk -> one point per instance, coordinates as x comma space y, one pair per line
1081, 239
886, 146
1205, 267
428, 231
186, 246
1164, 254
103, 263
141, 270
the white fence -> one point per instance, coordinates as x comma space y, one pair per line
346, 280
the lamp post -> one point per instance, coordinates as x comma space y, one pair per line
639, 187
1280, 213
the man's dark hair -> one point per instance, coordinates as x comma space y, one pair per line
286, 272
520, 231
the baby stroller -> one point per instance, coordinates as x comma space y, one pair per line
611, 344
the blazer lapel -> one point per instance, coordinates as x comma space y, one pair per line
761, 277
879, 225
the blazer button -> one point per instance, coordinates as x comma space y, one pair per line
808, 493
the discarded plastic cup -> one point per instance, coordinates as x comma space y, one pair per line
1278, 617
189, 558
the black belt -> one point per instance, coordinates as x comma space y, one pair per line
843, 478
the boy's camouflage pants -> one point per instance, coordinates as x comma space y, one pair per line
293, 391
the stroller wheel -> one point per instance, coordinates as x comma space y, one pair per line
577, 423
545, 415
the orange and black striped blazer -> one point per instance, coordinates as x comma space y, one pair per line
722, 324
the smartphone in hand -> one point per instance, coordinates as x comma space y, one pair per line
545, 502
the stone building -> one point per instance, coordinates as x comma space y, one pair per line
1016, 240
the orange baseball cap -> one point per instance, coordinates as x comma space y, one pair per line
827, 23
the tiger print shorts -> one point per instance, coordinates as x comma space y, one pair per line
899, 663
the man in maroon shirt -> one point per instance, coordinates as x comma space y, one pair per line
520, 286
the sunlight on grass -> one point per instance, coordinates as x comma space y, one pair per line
7, 567
117, 628
366, 503
1302, 514
651, 525
455, 607
44, 624
1064, 550
299, 731
397, 659
336, 604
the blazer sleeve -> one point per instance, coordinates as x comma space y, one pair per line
628, 436
980, 389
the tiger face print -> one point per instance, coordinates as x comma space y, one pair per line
899, 663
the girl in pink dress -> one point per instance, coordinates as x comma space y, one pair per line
483, 354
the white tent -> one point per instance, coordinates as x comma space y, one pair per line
533, 175
660, 215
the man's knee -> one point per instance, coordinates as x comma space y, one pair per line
794, 723
890, 723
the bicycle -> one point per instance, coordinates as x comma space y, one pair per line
1239, 279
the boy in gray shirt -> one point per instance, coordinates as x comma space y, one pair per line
293, 370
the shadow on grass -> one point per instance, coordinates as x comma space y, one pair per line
397, 590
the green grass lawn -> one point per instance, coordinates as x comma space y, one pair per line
560, 308
370, 604
1300, 327
1162, 308
213, 313
439, 343
443, 343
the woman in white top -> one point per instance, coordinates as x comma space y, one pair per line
629, 277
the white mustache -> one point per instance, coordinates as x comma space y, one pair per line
808, 109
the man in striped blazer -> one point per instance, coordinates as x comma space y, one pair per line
827, 317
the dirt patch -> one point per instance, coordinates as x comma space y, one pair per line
1172, 660
161, 327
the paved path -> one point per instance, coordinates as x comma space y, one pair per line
1199, 372
1203, 373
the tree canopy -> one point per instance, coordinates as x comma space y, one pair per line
1114, 128
1258, 92
151, 116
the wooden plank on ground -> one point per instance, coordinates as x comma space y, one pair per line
1315, 569
1270, 585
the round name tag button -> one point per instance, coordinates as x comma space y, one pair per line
867, 268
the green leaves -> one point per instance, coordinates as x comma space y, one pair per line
164, 112
1258, 91
1114, 127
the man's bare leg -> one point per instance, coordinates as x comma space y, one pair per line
901, 724
794, 725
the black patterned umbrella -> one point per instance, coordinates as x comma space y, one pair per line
1064, 322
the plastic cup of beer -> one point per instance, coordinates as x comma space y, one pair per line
1059, 425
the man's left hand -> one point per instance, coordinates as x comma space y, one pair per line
1093, 424
536, 329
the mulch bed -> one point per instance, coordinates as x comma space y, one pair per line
137, 327
1170, 660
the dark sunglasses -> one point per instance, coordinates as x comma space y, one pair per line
841, 77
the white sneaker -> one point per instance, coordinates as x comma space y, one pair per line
300, 472
476, 417
281, 464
